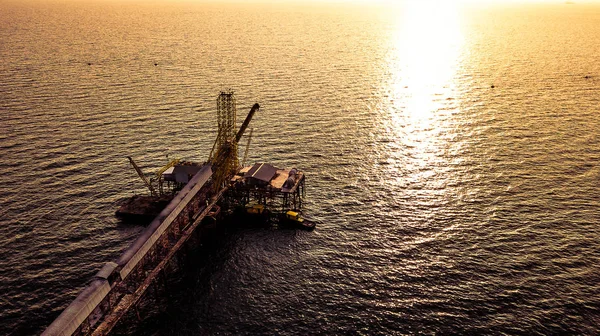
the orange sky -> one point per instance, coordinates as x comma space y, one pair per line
346, 1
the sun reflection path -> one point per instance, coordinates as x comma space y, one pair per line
422, 88
428, 46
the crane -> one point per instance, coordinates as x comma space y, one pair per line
159, 173
224, 159
142, 176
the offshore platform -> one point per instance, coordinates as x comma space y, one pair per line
185, 200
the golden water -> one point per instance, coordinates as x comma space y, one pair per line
446, 205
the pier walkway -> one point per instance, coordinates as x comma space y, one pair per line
121, 285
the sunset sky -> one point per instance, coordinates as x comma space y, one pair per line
379, 1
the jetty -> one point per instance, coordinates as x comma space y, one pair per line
197, 199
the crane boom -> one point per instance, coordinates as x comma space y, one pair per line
142, 176
253, 110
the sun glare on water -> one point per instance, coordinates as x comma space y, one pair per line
423, 62
427, 45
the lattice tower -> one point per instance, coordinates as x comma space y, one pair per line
224, 155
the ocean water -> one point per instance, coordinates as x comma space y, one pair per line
452, 160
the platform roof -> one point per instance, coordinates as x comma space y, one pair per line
261, 171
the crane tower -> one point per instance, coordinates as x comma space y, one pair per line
224, 154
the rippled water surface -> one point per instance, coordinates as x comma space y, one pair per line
451, 158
